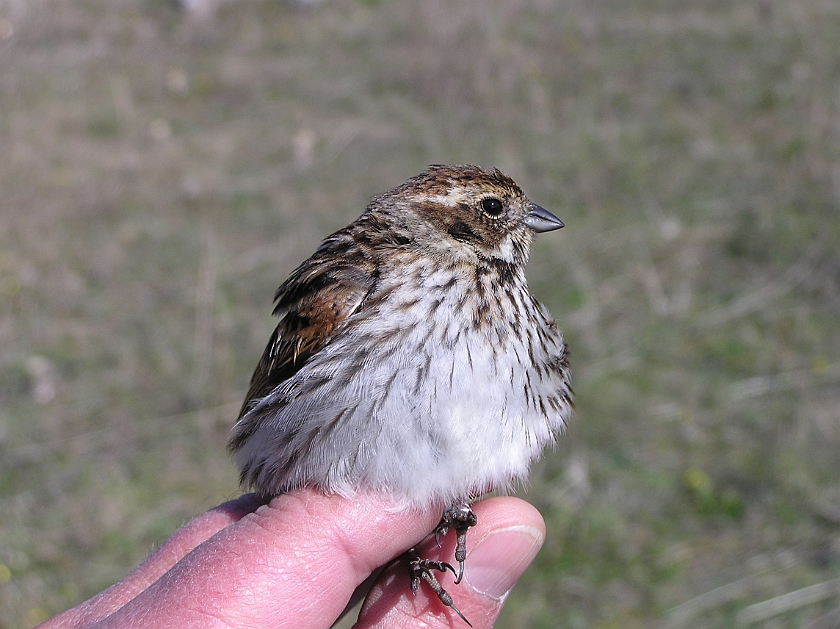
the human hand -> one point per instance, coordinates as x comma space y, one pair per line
296, 562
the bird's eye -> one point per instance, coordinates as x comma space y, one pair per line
492, 206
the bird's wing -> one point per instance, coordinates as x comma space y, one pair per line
313, 303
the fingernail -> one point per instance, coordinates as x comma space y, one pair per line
494, 566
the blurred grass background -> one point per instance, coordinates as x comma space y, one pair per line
162, 172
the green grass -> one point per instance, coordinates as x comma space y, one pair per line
160, 176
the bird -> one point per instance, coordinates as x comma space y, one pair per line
411, 359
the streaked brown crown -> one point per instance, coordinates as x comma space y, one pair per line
471, 208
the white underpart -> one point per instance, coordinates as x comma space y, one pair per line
466, 429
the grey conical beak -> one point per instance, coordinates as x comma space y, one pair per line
541, 220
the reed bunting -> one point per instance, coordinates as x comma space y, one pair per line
410, 358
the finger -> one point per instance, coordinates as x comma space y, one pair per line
155, 565
294, 562
507, 537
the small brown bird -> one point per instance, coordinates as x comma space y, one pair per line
410, 358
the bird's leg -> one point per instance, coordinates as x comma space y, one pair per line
423, 569
461, 518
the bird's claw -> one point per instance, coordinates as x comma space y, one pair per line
461, 519
424, 569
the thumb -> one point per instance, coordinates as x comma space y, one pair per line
504, 542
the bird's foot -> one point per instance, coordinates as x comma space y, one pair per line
425, 569
461, 519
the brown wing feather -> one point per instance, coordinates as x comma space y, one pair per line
312, 303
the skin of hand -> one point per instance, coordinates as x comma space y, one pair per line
296, 561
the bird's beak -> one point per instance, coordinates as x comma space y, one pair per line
541, 220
